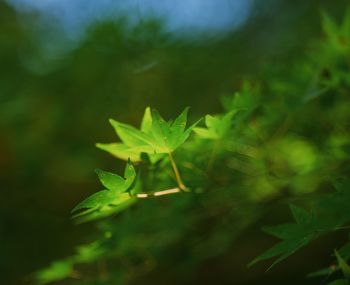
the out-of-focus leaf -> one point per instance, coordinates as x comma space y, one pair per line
283, 249
301, 216
345, 268
339, 282
294, 236
58, 270
89, 252
217, 126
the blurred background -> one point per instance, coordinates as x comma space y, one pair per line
68, 66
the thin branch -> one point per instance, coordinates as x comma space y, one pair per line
158, 193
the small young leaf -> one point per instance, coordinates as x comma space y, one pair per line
125, 201
96, 200
110, 180
114, 182
105, 201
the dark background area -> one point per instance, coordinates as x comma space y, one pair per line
54, 108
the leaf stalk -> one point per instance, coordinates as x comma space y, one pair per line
177, 174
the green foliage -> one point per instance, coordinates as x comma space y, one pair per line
111, 200
328, 214
290, 145
58, 270
345, 268
294, 236
168, 136
156, 136
217, 126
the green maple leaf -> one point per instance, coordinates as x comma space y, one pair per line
121, 151
113, 198
156, 136
134, 141
132, 137
294, 236
168, 136
217, 127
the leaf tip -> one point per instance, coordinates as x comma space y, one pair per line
112, 121
98, 171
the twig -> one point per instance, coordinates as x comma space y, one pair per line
158, 193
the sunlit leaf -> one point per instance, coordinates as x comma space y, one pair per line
170, 135
133, 137
146, 123
121, 151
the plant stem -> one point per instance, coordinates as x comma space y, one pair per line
158, 193
177, 174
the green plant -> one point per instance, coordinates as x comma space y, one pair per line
155, 141
290, 145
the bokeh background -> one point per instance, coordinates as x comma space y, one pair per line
68, 66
